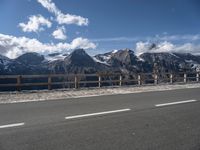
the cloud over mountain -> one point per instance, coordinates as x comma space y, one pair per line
12, 46
146, 47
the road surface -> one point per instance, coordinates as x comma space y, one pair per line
167, 120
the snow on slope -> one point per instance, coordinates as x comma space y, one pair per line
102, 62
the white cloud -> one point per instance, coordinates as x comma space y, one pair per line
164, 37
35, 24
72, 19
59, 33
116, 39
144, 47
188, 37
48, 4
63, 18
82, 43
12, 46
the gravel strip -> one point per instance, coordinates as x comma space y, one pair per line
28, 96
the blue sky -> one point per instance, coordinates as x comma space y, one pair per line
98, 25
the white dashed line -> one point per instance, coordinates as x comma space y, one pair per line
12, 125
175, 103
97, 114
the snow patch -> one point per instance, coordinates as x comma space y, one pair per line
98, 61
54, 58
174, 55
189, 61
115, 51
140, 59
107, 57
5, 61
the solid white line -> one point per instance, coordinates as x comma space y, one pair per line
175, 103
97, 114
12, 125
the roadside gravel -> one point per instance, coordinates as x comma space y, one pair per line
28, 96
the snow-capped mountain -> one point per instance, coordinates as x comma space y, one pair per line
171, 62
28, 63
77, 62
124, 61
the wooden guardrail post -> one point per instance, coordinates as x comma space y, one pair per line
139, 80
120, 80
185, 78
76, 82
171, 78
19, 83
197, 77
155, 79
49, 82
99, 81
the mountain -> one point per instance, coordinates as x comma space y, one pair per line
4, 60
117, 61
30, 59
193, 61
4, 64
28, 63
78, 62
162, 63
171, 62
124, 61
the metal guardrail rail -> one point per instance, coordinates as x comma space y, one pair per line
100, 79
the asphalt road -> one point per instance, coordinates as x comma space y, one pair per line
167, 120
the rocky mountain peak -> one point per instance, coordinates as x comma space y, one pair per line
79, 58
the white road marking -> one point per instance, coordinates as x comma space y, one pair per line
12, 125
175, 103
97, 114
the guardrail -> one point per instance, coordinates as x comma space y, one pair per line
51, 81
